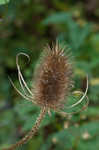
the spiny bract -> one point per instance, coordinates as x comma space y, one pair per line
53, 78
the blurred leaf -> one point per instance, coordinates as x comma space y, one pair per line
4, 2
92, 144
94, 81
91, 112
68, 138
73, 99
36, 143
63, 140
77, 35
61, 17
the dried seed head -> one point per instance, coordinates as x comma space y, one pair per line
53, 83
53, 78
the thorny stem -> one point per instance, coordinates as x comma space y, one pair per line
32, 132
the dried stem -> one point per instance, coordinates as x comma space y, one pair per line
32, 132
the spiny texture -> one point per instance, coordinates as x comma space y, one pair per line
53, 79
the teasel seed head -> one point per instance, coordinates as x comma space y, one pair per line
53, 79
53, 82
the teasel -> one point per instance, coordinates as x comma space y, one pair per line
51, 86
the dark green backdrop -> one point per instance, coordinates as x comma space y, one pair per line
26, 26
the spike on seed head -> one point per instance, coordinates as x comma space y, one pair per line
54, 77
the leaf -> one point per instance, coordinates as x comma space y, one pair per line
92, 128
63, 140
36, 143
77, 34
93, 144
74, 105
2, 2
92, 112
29, 122
57, 18
73, 136
91, 141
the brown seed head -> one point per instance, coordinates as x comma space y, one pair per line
53, 78
53, 82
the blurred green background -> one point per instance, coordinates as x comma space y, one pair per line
26, 26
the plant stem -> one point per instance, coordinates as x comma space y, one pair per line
32, 132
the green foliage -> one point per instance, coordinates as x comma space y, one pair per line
26, 26
76, 34
74, 138
4, 2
